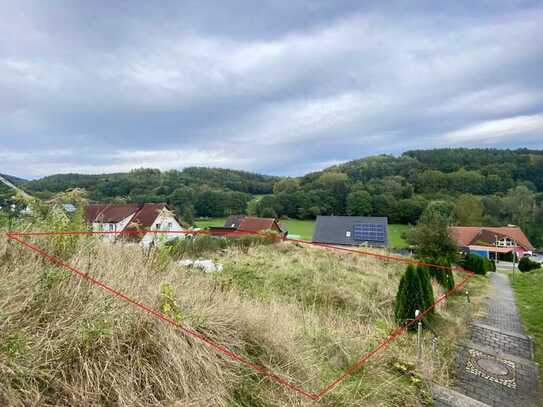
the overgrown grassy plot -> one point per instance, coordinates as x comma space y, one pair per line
528, 289
305, 313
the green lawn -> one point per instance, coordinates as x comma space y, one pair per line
528, 289
302, 228
204, 223
305, 228
395, 239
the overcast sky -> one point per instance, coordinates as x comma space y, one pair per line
280, 87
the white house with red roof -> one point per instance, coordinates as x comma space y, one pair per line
118, 218
484, 240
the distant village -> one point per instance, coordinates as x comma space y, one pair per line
125, 219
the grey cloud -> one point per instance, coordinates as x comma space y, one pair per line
279, 87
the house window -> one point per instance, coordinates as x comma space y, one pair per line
111, 227
170, 225
157, 226
348, 233
506, 242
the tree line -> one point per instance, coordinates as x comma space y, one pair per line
470, 186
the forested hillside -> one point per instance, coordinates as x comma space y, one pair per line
6, 194
12, 179
204, 191
472, 186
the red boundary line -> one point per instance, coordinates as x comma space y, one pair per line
17, 237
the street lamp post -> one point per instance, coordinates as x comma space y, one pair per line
514, 258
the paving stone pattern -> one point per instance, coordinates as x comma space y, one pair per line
502, 310
504, 342
495, 364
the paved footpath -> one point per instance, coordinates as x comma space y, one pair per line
495, 365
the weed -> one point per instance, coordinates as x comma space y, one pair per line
15, 345
168, 302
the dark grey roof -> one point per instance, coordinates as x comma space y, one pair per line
333, 230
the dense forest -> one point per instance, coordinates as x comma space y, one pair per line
471, 186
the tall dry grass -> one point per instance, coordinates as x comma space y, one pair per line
306, 314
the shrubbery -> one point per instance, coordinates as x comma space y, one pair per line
201, 245
414, 293
426, 285
526, 264
444, 277
477, 264
492, 265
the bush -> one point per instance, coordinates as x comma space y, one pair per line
525, 264
410, 297
426, 285
477, 264
443, 277
204, 245
507, 257
492, 265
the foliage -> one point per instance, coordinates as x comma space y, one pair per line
426, 286
359, 203
484, 186
201, 245
432, 239
527, 264
168, 302
492, 263
442, 274
478, 264
410, 297
468, 211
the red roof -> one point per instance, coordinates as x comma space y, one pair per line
255, 224
147, 214
465, 235
109, 213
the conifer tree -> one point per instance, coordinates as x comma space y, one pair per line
409, 297
426, 285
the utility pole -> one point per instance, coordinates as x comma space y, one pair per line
496, 249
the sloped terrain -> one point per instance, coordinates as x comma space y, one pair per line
306, 314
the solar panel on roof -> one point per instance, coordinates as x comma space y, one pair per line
365, 232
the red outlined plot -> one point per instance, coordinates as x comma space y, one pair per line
219, 348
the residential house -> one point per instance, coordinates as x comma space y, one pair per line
483, 241
118, 218
242, 223
351, 230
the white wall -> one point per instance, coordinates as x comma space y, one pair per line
167, 222
113, 227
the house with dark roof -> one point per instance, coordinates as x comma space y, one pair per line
243, 223
117, 218
351, 230
483, 240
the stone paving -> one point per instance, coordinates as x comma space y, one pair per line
495, 364
502, 341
